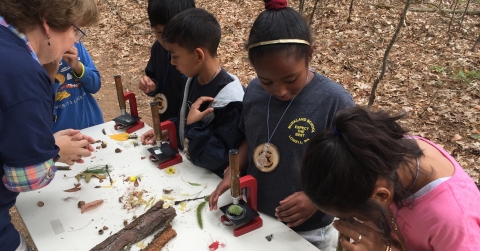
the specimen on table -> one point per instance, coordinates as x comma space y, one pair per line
155, 219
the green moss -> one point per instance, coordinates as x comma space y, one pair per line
235, 210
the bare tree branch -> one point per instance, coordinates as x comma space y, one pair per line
476, 43
453, 14
350, 12
387, 51
435, 9
467, 12
430, 103
313, 11
463, 16
301, 6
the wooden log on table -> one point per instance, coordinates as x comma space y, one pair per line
155, 219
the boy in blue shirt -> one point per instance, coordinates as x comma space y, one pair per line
76, 80
212, 101
162, 80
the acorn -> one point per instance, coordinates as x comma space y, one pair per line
40, 203
80, 204
100, 232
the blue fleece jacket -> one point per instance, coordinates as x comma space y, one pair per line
75, 107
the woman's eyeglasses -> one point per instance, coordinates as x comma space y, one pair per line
79, 34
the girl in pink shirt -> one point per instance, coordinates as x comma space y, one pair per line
390, 191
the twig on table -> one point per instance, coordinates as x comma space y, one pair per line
180, 201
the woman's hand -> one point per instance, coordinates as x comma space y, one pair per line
295, 209
371, 238
195, 114
223, 186
73, 146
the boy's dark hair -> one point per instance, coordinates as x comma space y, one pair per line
194, 28
279, 23
160, 12
341, 167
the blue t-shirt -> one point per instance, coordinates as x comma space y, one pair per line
75, 107
26, 105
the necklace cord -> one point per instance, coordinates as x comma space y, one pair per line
394, 219
269, 137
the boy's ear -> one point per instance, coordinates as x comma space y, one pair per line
200, 55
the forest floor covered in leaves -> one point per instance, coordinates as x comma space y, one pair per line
432, 73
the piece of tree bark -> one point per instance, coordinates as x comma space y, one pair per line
154, 219
387, 51
161, 239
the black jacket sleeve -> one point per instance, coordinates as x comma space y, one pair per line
150, 68
208, 145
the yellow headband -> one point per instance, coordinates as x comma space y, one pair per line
279, 41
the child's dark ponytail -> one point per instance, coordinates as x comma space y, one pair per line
341, 166
279, 29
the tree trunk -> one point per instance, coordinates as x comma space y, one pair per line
156, 218
387, 51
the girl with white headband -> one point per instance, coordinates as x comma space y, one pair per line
284, 107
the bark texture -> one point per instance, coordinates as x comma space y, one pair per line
161, 239
156, 218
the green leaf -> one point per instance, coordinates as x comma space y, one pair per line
475, 136
199, 214
194, 184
